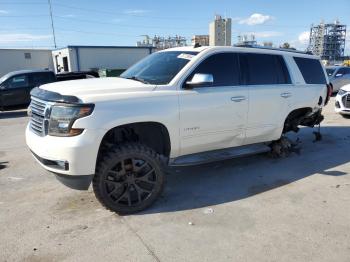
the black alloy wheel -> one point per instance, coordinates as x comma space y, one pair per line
129, 178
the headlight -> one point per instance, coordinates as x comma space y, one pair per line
62, 118
341, 92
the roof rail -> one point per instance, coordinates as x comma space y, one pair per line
277, 49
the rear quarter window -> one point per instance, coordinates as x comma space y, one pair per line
264, 69
42, 78
311, 69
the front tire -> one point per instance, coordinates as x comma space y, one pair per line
129, 178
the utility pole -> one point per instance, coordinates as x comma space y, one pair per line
52, 26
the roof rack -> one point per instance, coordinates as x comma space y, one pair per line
277, 49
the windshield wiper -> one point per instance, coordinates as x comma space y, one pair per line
138, 79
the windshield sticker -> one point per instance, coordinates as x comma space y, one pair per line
185, 56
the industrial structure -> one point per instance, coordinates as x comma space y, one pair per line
202, 40
220, 31
84, 58
246, 40
160, 42
328, 41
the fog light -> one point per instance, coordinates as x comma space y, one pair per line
337, 105
62, 164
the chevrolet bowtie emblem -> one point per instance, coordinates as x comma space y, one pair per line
29, 111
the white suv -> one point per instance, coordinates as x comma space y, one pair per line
180, 106
342, 101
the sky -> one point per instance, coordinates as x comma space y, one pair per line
26, 23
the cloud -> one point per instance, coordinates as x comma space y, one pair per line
304, 37
347, 45
9, 38
302, 41
135, 11
266, 34
3, 12
256, 19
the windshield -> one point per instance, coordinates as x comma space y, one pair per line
3, 78
159, 68
330, 71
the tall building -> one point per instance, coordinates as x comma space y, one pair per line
220, 31
203, 40
328, 40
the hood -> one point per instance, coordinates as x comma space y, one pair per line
87, 89
346, 88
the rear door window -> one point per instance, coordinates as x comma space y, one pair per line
311, 69
224, 67
264, 69
42, 78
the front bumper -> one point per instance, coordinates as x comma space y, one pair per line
342, 104
69, 156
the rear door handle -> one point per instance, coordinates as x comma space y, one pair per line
238, 98
286, 95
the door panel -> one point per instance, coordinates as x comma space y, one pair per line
15, 91
214, 116
270, 95
210, 118
268, 106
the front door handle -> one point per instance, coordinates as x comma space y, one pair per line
238, 98
286, 95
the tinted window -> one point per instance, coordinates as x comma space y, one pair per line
330, 71
224, 67
344, 71
18, 81
311, 69
42, 78
264, 69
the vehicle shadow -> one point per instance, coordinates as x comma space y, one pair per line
232, 180
3, 164
13, 114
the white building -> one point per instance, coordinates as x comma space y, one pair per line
83, 58
220, 32
18, 59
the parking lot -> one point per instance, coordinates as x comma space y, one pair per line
252, 209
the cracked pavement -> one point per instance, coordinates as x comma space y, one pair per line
250, 209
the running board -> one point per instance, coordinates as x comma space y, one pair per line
218, 155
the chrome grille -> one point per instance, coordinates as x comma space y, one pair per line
37, 120
346, 101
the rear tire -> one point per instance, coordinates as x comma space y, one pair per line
129, 178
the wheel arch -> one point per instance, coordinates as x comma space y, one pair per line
150, 133
293, 119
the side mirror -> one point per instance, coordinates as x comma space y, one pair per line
200, 80
338, 75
